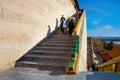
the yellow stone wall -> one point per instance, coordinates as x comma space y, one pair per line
23, 23
83, 51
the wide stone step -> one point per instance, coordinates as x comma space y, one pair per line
51, 53
54, 49
56, 45
59, 39
59, 36
46, 58
42, 65
59, 31
58, 42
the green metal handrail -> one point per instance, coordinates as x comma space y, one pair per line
77, 35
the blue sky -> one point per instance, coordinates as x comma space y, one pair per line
103, 17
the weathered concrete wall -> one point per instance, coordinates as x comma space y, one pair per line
83, 50
23, 23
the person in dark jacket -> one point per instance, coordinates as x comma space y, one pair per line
71, 25
61, 23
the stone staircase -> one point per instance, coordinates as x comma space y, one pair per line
52, 55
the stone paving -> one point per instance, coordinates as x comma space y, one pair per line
35, 74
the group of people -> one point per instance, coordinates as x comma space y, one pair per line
64, 26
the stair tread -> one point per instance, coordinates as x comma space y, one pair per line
47, 47
59, 41
53, 57
59, 38
50, 51
44, 63
56, 44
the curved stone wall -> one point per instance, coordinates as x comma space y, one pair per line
23, 23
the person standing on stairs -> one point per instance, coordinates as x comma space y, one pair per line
64, 27
62, 21
71, 25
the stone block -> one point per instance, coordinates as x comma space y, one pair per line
1, 11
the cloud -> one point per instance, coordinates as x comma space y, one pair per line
107, 27
97, 10
95, 22
106, 30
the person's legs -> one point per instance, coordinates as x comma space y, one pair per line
60, 28
63, 30
70, 31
